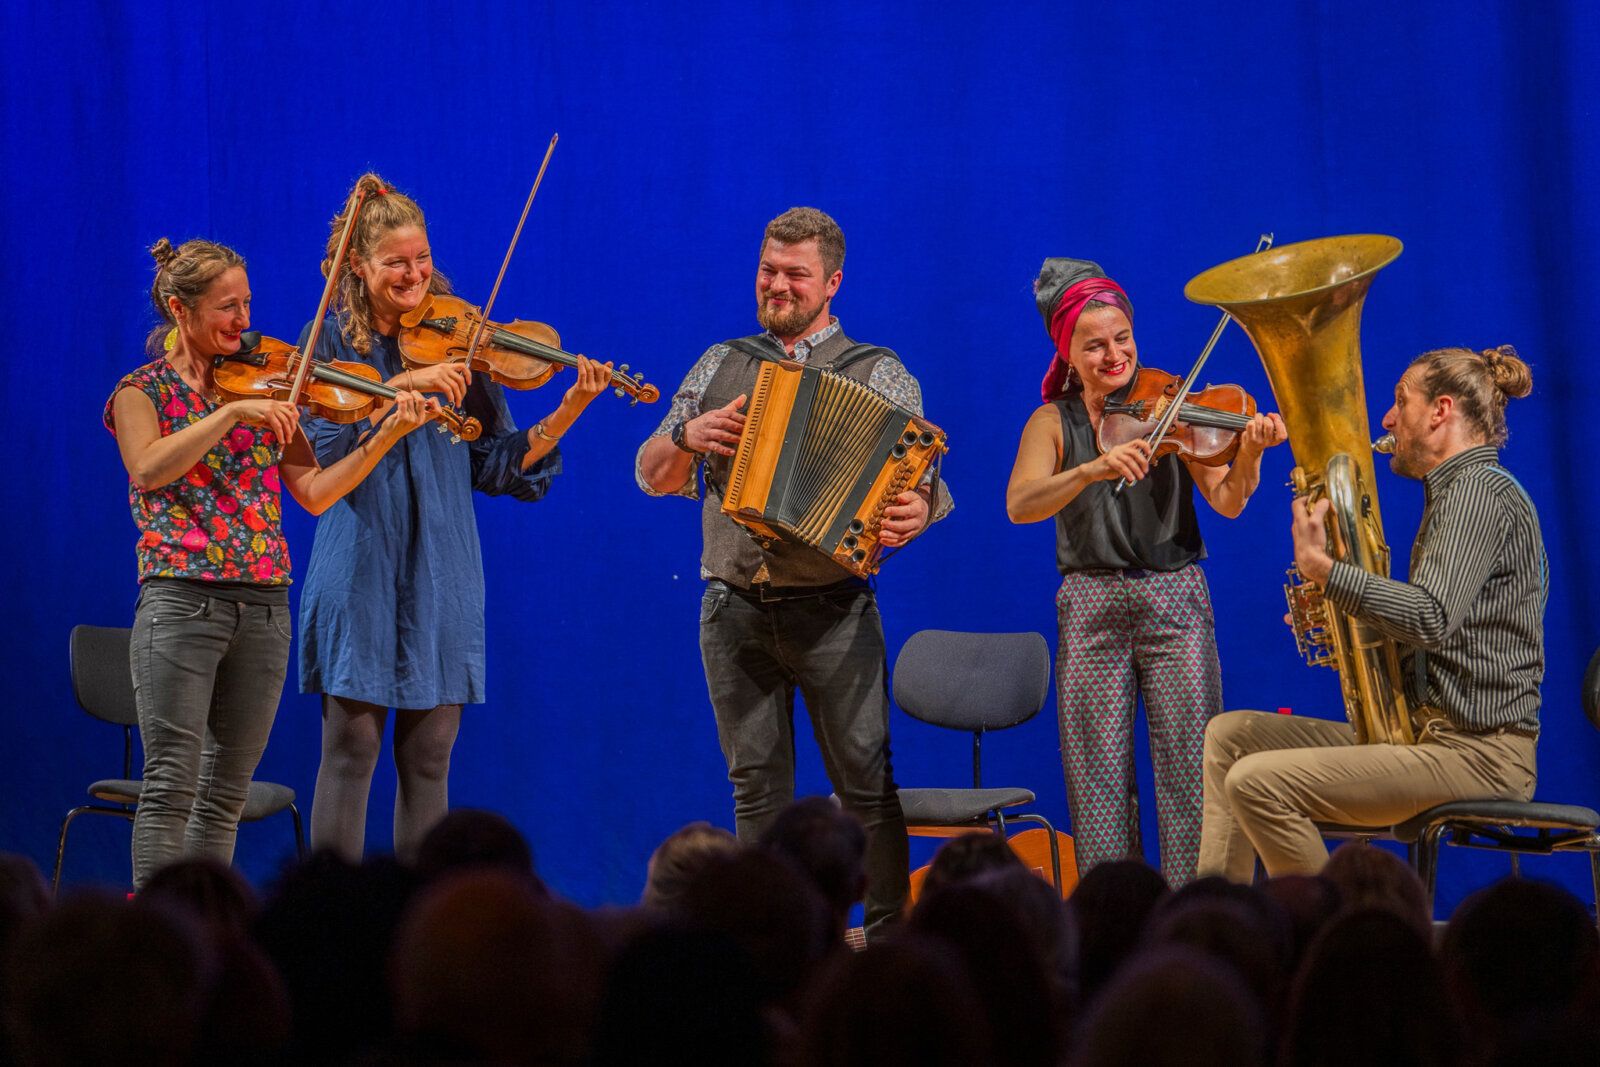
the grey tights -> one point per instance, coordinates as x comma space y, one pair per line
352, 737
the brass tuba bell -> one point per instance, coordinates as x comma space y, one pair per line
1300, 304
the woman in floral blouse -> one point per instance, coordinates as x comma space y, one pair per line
211, 632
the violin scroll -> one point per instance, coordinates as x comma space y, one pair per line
635, 386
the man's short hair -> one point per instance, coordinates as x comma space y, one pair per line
803, 224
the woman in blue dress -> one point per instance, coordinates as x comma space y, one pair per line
391, 615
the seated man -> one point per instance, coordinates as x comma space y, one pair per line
1471, 623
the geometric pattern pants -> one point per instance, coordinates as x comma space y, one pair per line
1123, 635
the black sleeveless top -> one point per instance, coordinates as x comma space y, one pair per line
1149, 526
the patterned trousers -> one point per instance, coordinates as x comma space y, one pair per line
1124, 634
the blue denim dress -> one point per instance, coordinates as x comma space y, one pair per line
391, 607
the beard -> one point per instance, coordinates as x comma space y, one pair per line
787, 323
1405, 462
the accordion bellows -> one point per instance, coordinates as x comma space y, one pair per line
821, 456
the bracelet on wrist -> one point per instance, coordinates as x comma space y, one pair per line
543, 435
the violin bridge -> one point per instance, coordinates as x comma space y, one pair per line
1162, 403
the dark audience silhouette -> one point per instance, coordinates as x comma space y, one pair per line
738, 955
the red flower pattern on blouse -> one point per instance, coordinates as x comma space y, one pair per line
221, 520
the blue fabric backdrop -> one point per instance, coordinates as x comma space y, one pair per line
957, 150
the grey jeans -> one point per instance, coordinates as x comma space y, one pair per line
831, 649
207, 676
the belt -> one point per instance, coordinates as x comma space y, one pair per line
767, 593
1425, 715
1116, 572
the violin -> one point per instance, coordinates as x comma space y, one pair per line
1167, 414
1206, 429
265, 368
519, 355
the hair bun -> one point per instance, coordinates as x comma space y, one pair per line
163, 253
1511, 374
371, 185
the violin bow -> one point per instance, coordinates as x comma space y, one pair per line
483, 319
358, 196
1170, 416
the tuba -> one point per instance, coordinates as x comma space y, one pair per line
1301, 306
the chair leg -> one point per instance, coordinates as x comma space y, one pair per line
1055, 845
61, 848
1428, 861
1516, 865
66, 824
1594, 876
299, 833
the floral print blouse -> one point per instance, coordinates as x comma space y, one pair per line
220, 522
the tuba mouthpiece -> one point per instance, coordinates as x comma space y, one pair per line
1384, 444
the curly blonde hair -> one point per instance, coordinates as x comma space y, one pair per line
385, 209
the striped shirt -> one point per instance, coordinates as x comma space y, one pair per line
1473, 612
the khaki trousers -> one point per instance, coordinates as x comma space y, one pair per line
1270, 778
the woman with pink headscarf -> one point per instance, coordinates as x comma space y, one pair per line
1133, 609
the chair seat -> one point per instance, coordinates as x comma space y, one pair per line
1341, 830
117, 790
264, 800
946, 806
1501, 813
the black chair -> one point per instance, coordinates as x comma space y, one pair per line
103, 685
1494, 824
978, 683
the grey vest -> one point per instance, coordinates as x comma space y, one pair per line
730, 551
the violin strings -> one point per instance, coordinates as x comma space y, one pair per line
503, 338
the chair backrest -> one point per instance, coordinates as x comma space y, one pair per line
1591, 689
102, 679
968, 681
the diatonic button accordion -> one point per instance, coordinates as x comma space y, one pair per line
820, 458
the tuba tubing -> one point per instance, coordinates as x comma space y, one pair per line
1300, 304
1369, 663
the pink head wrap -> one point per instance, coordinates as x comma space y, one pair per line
1065, 318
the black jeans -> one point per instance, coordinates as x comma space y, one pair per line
831, 648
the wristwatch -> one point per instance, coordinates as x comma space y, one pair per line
677, 438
